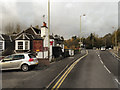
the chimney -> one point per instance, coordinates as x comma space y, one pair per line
44, 24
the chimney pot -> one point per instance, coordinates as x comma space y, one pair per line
44, 24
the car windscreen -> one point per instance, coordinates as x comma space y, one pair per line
31, 56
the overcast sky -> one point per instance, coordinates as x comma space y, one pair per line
64, 15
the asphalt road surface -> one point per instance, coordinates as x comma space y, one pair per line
90, 72
97, 69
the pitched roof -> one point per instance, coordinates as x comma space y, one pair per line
38, 31
23, 36
38, 37
4, 37
51, 37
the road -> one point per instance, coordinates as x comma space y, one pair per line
97, 69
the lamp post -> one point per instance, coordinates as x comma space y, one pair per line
80, 30
48, 29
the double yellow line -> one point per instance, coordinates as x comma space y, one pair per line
62, 78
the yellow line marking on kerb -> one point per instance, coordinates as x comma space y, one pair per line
60, 81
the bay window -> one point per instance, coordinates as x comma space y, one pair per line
22, 45
1, 45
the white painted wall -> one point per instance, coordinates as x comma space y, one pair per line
39, 55
45, 54
44, 31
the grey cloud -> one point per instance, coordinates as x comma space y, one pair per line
65, 16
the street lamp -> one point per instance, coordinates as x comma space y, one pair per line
80, 30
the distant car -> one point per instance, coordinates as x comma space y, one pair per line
103, 48
23, 61
110, 48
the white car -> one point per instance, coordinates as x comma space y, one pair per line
21, 61
103, 48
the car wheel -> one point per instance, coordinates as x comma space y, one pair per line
25, 68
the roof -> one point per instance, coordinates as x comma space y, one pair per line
38, 37
51, 37
4, 37
13, 37
27, 36
38, 31
23, 36
33, 31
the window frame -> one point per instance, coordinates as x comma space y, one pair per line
24, 44
3, 45
19, 46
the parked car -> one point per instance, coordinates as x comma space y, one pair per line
103, 48
23, 61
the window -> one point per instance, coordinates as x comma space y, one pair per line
8, 58
18, 57
20, 45
32, 56
1, 45
26, 45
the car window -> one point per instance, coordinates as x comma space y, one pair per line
8, 58
31, 56
17, 57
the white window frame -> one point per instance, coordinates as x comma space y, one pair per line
16, 44
3, 45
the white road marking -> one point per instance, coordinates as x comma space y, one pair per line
117, 81
101, 61
107, 69
103, 64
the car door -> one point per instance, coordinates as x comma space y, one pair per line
6, 62
17, 60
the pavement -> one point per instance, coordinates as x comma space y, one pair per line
97, 69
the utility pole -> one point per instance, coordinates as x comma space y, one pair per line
48, 29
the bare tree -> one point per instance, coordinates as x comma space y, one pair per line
9, 28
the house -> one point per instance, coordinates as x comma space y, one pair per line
25, 41
6, 45
34, 40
